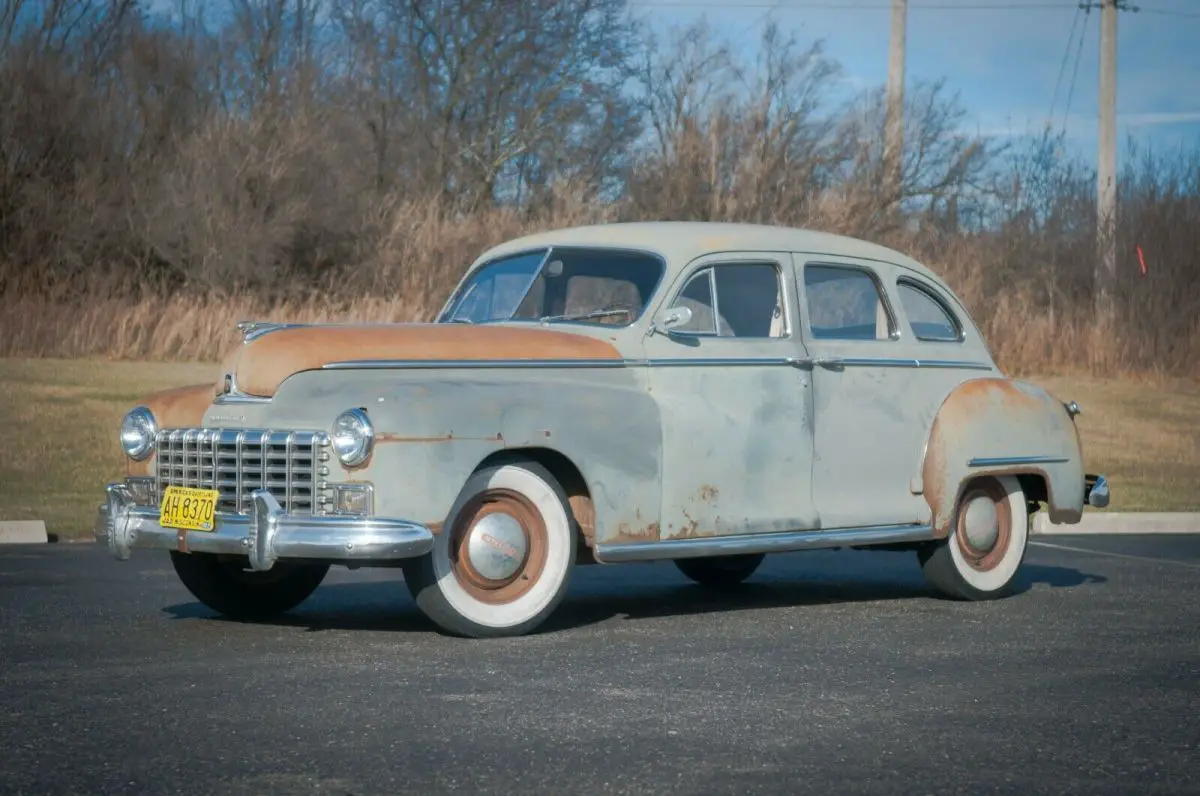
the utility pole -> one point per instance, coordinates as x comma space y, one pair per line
894, 138
1106, 161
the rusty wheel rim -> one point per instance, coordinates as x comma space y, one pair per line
508, 522
983, 527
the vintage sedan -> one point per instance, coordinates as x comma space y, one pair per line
694, 392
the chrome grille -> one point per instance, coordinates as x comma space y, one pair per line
291, 464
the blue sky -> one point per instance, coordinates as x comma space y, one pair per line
1003, 62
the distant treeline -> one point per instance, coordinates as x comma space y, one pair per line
165, 175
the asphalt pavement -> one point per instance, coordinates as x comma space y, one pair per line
828, 672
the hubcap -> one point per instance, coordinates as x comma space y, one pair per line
496, 546
983, 529
980, 523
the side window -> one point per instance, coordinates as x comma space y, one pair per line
929, 318
734, 300
845, 304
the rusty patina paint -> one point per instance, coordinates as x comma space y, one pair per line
585, 516
180, 407
995, 417
263, 363
627, 534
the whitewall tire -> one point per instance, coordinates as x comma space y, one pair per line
989, 535
502, 561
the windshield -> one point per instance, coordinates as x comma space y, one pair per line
605, 286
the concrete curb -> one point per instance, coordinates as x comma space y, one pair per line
1123, 522
23, 532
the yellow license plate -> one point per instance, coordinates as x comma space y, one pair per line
188, 509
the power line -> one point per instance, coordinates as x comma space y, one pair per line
1063, 66
1075, 72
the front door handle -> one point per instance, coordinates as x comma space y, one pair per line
824, 362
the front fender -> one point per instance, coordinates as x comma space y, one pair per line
998, 426
434, 426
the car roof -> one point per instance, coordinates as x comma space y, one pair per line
682, 241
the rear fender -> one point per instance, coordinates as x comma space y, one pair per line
997, 426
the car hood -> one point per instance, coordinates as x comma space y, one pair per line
261, 363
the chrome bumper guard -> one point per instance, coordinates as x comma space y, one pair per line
265, 535
1095, 490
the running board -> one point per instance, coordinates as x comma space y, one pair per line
790, 541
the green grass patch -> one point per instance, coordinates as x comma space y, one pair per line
62, 418
1144, 434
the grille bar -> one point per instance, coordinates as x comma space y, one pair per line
237, 461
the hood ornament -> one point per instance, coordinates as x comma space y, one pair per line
252, 330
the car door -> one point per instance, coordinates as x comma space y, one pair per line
871, 403
736, 410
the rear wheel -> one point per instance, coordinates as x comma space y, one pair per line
719, 570
987, 542
503, 560
228, 586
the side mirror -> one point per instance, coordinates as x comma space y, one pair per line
670, 318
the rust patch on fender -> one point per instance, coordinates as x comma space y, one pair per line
263, 363
584, 512
434, 527
177, 407
708, 493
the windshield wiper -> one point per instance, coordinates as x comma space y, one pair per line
583, 316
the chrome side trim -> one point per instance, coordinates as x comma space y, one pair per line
899, 362
264, 536
662, 362
482, 364
1009, 461
719, 362
762, 543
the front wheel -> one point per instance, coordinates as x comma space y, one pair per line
502, 562
229, 587
987, 542
718, 571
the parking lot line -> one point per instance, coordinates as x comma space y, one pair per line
1092, 551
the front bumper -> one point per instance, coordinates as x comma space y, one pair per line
265, 535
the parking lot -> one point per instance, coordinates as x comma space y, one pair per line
827, 672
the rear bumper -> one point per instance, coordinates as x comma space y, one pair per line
1095, 490
265, 535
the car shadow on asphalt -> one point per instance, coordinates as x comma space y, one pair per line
599, 594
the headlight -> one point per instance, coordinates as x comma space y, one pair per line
138, 431
353, 437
